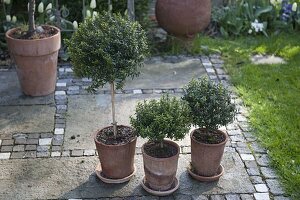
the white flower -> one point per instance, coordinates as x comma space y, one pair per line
52, 18
250, 31
14, 19
88, 13
257, 26
75, 25
93, 4
279, 1
8, 18
294, 7
49, 7
273, 2
41, 7
95, 14
7, 1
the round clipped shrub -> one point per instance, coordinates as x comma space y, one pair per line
108, 48
210, 104
156, 120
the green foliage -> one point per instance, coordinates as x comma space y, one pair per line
236, 18
108, 48
164, 118
210, 103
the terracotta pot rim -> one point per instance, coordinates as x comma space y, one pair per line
162, 159
109, 145
204, 144
10, 31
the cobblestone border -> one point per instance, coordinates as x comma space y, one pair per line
255, 158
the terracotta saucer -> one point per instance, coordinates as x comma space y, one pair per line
216, 177
108, 180
174, 187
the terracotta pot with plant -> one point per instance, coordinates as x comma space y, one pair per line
108, 49
157, 120
211, 108
35, 52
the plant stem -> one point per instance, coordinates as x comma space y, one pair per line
112, 86
31, 16
162, 144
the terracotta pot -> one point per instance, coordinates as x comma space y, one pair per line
36, 62
183, 18
117, 161
160, 172
206, 158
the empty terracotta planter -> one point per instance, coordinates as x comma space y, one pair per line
183, 18
36, 62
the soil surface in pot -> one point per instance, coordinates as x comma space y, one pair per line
124, 135
154, 149
208, 137
46, 31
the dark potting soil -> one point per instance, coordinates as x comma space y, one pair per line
208, 137
154, 149
24, 35
124, 135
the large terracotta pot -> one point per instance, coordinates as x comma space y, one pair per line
117, 161
36, 62
183, 18
160, 172
206, 158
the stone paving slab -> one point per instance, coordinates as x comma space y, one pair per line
89, 113
36, 178
11, 93
26, 119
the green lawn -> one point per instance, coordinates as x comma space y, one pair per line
272, 93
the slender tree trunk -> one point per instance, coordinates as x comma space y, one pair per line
31, 16
57, 15
130, 10
112, 85
109, 6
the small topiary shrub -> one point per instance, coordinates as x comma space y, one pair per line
210, 104
159, 119
108, 49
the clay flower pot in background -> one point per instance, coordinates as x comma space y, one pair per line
36, 61
183, 18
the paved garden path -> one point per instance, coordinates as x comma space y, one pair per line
47, 150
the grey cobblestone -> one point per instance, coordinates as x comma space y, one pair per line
253, 172
19, 148
232, 197
20, 140
33, 135
186, 150
32, 141
17, 155
58, 140
7, 142
30, 154
247, 197
199, 197
56, 148
77, 153
5, 156
6, 148
262, 159
66, 153
43, 148
217, 197
43, 154
281, 198
256, 179
261, 196
275, 187
268, 172
30, 147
